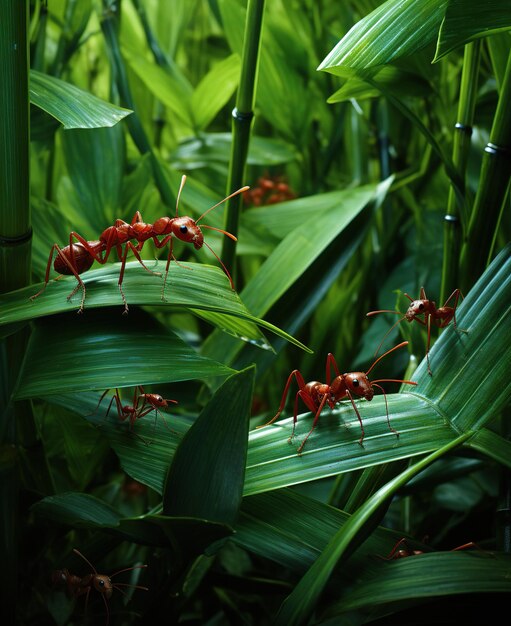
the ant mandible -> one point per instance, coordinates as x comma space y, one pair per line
315, 394
441, 316
77, 586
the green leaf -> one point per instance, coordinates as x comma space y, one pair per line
469, 384
207, 481
333, 446
400, 83
93, 191
215, 89
77, 509
299, 605
299, 249
427, 576
201, 288
466, 20
216, 148
396, 28
99, 353
292, 530
492, 445
72, 106
169, 86
85, 511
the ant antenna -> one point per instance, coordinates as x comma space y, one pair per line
400, 345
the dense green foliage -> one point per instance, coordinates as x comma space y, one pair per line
352, 126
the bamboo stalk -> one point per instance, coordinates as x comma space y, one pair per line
242, 117
492, 191
461, 147
15, 241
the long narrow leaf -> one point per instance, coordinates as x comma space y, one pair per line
200, 287
396, 28
466, 20
72, 106
102, 353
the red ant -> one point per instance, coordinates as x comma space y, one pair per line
76, 586
77, 258
186, 229
143, 404
401, 550
441, 316
315, 394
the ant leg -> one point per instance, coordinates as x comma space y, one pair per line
315, 421
359, 418
301, 384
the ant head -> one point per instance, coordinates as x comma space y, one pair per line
359, 385
416, 308
157, 400
59, 577
186, 229
103, 584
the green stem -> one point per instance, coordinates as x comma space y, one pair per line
109, 26
492, 190
461, 147
241, 124
299, 605
15, 240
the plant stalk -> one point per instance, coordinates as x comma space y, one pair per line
461, 147
242, 117
492, 191
15, 242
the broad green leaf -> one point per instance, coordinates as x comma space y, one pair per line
144, 454
207, 481
98, 353
333, 446
215, 89
200, 287
466, 20
469, 384
301, 247
396, 28
72, 106
427, 576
